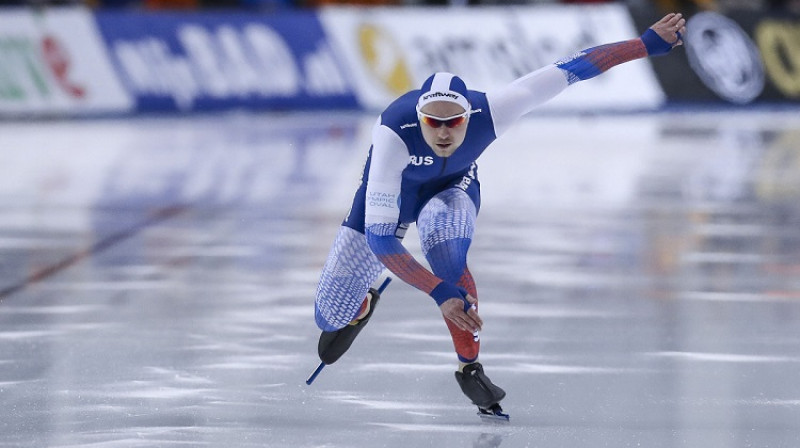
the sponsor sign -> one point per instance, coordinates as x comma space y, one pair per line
211, 61
739, 58
778, 40
53, 61
724, 57
394, 50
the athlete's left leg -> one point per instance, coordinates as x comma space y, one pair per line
446, 225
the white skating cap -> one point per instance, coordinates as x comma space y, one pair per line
443, 86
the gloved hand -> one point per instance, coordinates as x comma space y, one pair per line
456, 305
665, 34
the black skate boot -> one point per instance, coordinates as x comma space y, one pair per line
480, 389
333, 344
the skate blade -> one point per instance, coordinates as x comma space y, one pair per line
494, 413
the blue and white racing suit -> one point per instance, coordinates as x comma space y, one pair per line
404, 182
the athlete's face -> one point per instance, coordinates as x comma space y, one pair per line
440, 136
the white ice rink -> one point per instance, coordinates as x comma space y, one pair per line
639, 278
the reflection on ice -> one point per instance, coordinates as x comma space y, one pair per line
723, 357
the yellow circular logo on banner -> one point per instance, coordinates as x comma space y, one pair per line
384, 58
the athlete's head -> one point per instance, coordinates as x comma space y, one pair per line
443, 110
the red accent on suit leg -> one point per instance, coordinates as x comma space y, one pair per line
463, 341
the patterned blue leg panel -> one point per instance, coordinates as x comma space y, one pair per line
446, 225
348, 273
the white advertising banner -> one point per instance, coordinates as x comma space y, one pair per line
392, 50
54, 62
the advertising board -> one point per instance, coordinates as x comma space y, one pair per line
53, 62
391, 51
739, 58
217, 60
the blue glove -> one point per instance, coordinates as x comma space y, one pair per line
445, 291
655, 45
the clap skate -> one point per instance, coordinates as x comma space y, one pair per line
483, 393
333, 344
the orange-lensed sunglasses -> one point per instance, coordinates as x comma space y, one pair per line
437, 122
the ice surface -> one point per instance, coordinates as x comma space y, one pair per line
637, 275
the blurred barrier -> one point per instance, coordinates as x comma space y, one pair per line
53, 62
738, 58
76, 62
203, 61
391, 51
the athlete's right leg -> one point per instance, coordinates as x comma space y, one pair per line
349, 271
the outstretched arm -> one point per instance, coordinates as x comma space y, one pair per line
657, 40
508, 104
